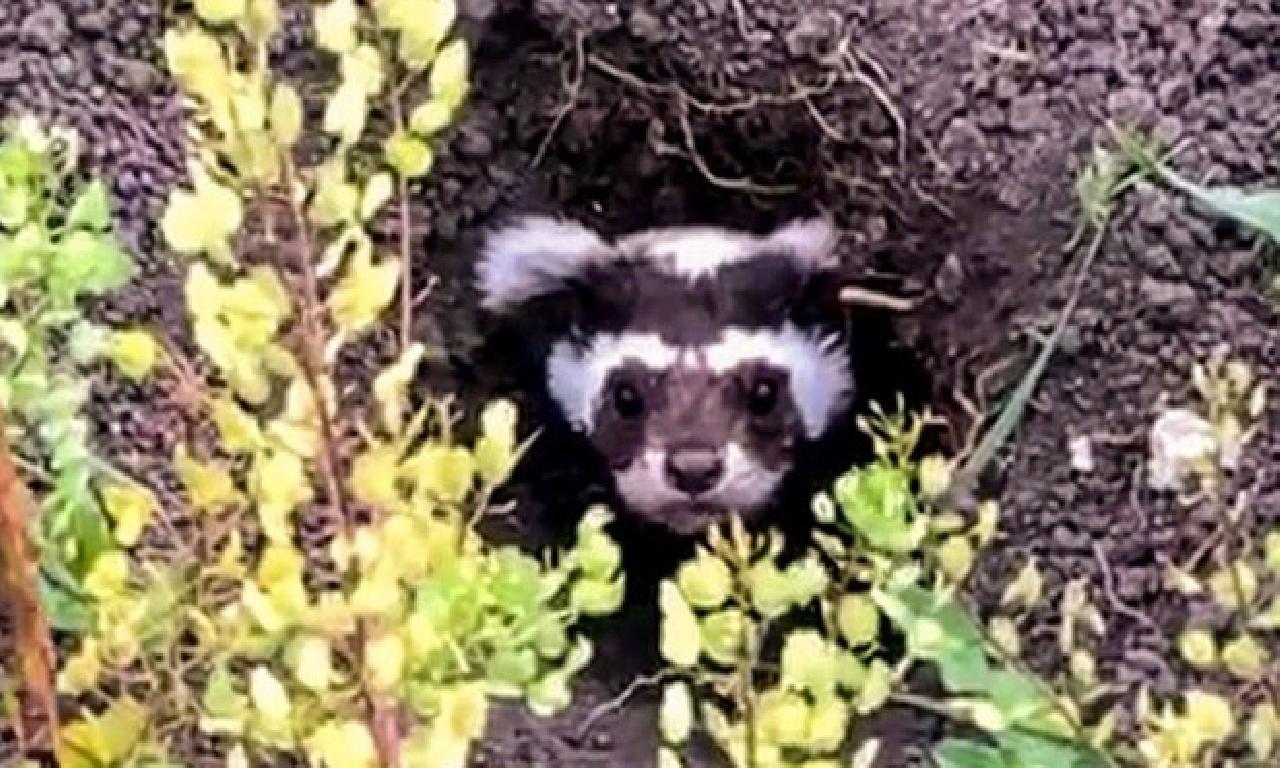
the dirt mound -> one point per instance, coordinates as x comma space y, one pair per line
943, 136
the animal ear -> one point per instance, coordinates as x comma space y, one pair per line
532, 257
810, 246
809, 243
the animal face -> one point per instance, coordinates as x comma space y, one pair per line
695, 360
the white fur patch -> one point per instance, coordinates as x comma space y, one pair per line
817, 368
820, 379
811, 243
745, 486
696, 252
534, 256
576, 376
691, 252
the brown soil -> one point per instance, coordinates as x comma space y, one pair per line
943, 135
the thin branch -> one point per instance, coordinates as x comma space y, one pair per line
619, 701
383, 715
853, 294
312, 357
574, 86
406, 231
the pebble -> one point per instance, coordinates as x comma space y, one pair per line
45, 30
10, 70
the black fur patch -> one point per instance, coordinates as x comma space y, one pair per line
634, 295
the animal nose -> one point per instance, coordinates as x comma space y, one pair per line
694, 470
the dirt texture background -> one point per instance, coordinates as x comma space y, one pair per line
943, 135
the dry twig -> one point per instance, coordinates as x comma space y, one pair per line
18, 569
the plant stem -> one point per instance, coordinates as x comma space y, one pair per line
312, 357
18, 578
746, 682
406, 251
383, 723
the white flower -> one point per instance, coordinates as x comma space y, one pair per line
1179, 439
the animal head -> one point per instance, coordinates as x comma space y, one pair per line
696, 360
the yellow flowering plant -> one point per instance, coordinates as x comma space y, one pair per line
384, 641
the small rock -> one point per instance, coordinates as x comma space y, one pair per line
474, 143
647, 27
138, 77
64, 65
128, 31
1165, 294
1174, 93
1158, 260
810, 32
10, 70
1133, 106
1071, 341
1029, 113
45, 30
94, 22
949, 279
477, 10
1253, 26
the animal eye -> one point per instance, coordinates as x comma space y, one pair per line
627, 400
763, 397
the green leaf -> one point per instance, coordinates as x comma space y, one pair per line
201, 220
345, 114
22, 254
964, 668
15, 205
1260, 210
422, 27
86, 341
91, 209
878, 502
88, 264
594, 597
516, 582
1016, 696
704, 581
721, 635
598, 555
335, 26
68, 609
430, 117
220, 11
449, 73
286, 115
408, 155
1030, 750
680, 638
957, 753
549, 696
858, 619
676, 713
513, 666
377, 192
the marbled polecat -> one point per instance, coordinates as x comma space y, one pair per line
696, 360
